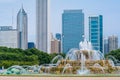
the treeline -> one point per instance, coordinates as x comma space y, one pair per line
11, 56
115, 53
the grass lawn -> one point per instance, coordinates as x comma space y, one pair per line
66, 75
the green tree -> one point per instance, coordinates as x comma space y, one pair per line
114, 53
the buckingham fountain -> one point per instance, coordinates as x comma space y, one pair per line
84, 60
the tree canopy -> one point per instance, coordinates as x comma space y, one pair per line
114, 53
16, 56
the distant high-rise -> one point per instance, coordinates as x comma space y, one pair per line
31, 45
72, 29
106, 50
22, 27
112, 42
54, 45
96, 32
8, 37
59, 37
5, 28
42, 25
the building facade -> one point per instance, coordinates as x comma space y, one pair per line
42, 25
5, 28
22, 27
31, 45
55, 45
59, 38
106, 49
72, 29
8, 37
112, 42
96, 32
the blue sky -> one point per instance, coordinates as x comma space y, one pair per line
110, 9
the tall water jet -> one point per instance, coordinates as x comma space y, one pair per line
59, 57
83, 69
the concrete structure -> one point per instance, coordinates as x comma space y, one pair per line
106, 49
8, 38
59, 38
55, 45
72, 29
42, 25
58, 78
112, 42
96, 32
22, 27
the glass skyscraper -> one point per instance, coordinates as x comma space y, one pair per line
31, 45
72, 29
42, 25
22, 27
58, 36
96, 32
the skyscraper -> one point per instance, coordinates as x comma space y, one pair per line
8, 37
112, 42
22, 27
42, 25
31, 45
72, 29
106, 49
96, 32
59, 37
55, 43
5, 28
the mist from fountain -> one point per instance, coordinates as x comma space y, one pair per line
59, 57
67, 66
111, 62
93, 55
47, 70
83, 69
85, 46
16, 70
39, 69
71, 55
112, 58
99, 66
86, 59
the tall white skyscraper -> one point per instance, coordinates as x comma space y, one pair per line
22, 27
42, 25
